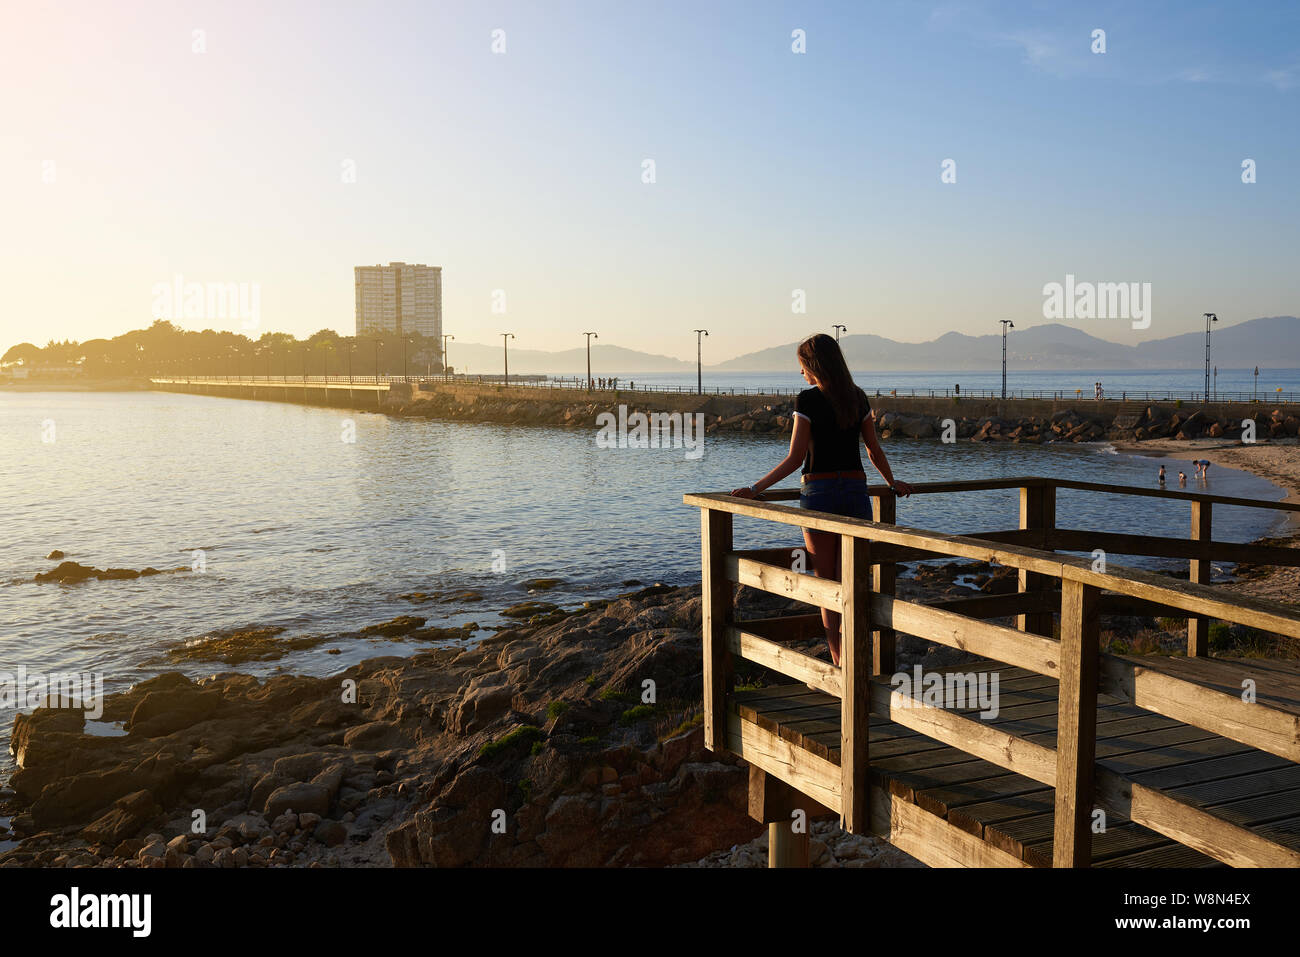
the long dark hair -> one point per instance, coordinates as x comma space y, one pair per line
820, 355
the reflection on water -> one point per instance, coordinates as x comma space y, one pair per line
294, 527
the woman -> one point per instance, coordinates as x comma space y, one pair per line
829, 419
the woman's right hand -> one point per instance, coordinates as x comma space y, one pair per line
745, 492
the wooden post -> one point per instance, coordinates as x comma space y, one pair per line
1037, 511
1076, 729
1198, 626
855, 665
778, 805
883, 581
785, 846
715, 543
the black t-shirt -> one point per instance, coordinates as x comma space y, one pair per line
832, 449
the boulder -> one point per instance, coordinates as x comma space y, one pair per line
300, 797
127, 815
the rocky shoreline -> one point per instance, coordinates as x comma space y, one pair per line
571, 741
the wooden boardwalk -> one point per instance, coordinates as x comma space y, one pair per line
1085, 758
964, 800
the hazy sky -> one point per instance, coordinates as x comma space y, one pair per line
133, 149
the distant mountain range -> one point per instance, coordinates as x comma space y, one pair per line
1271, 342
476, 359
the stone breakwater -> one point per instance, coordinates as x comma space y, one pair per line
1013, 421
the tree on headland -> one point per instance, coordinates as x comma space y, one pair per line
25, 354
165, 349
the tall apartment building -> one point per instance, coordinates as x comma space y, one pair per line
399, 299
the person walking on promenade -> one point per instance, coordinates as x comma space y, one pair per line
831, 419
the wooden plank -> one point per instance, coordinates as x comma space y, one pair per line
814, 776
1158, 546
983, 607
1173, 493
1167, 855
716, 609
1116, 840
1032, 652
931, 839
1076, 726
772, 800
1196, 828
822, 592
1198, 626
822, 675
1133, 681
974, 737
884, 578
856, 662
1278, 690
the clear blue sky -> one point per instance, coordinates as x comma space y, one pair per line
775, 171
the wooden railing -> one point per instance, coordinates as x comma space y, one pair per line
871, 614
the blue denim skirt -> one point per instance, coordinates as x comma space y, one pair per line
838, 496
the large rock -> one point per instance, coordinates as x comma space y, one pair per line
300, 797
127, 815
164, 711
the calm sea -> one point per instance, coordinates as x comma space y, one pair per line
301, 529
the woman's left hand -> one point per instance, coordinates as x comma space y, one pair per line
745, 492
902, 488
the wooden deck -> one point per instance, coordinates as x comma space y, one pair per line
950, 794
1092, 759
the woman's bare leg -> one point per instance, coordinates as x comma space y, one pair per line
824, 549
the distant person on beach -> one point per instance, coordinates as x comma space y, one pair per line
831, 419
1162, 475
1202, 467
1182, 479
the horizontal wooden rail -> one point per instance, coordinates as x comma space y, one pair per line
1187, 596
1156, 546
1017, 648
822, 592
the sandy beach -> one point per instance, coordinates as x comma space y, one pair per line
1279, 462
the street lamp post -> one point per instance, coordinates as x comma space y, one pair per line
505, 352
838, 329
405, 339
445, 337
378, 342
699, 360
589, 335
1209, 318
1006, 324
